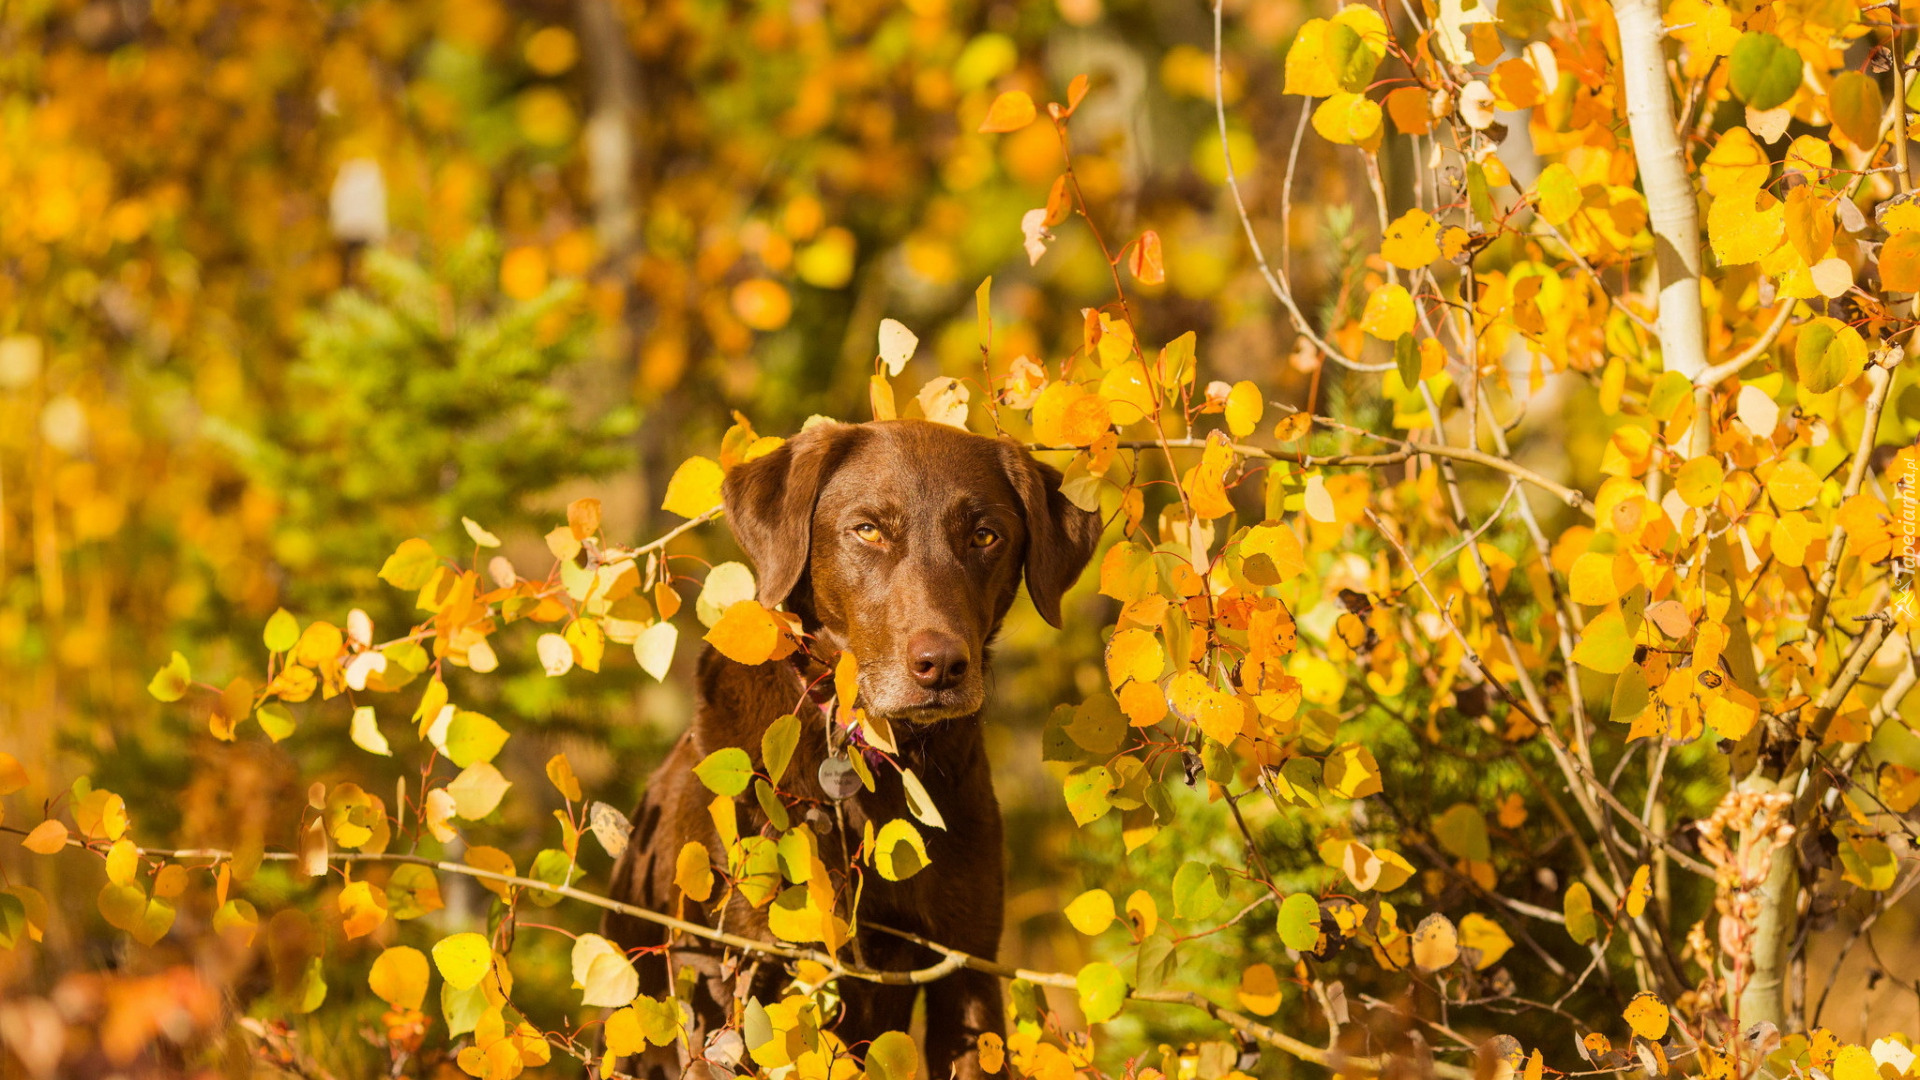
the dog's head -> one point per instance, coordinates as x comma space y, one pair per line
905, 541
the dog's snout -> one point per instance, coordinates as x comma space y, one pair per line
937, 661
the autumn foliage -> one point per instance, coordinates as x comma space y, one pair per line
1500, 655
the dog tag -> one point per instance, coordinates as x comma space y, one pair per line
837, 778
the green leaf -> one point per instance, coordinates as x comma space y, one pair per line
1406, 358
777, 745
770, 804
1102, 991
275, 720
893, 1056
170, 683
1827, 353
1462, 831
412, 891
473, 738
1299, 922
554, 867
725, 771
1763, 71
1606, 645
1155, 965
1089, 794
410, 566
1857, 106
283, 631
13, 920
1198, 890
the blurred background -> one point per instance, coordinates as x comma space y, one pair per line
286, 282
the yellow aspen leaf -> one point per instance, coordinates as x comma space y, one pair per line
1410, 108
362, 910
693, 871
1605, 645
1349, 120
694, 489
463, 959
1134, 655
13, 775
1389, 313
1145, 261
1436, 944
1536, 1067
1599, 578
1577, 906
1259, 991
123, 862
1272, 554
399, 977
556, 655
46, 838
1206, 482
1011, 111
746, 633
1638, 893
606, 977
493, 861
1899, 787
1066, 414
583, 518
1698, 482
1143, 913
1856, 103
899, 852
1745, 226
1828, 353
1855, 1062
1245, 405
1515, 85
1413, 240
1559, 193
1647, 1015
410, 566
588, 642
560, 774
1350, 772
1091, 912
477, 790
1793, 486
1486, 937
992, 1055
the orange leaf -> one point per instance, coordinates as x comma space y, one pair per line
746, 633
583, 517
1146, 262
1076, 91
46, 838
1010, 111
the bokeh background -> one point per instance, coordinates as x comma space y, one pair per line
286, 282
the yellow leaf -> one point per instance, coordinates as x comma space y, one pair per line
46, 838
463, 960
1638, 893
1091, 911
1436, 944
694, 489
1134, 655
746, 633
1745, 226
1067, 415
13, 776
1647, 1015
1010, 111
361, 909
399, 977
123, 861
1412, 241
992, 1052
1793, 486
899, 852
560, 773
1349, 120
1389, 313
1260, 990
1244, 408
693, 871
1483, 934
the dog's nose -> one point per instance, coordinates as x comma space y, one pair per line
937, 660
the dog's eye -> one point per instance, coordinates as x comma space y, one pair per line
985, 537
868, 532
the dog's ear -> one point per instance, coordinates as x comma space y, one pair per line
1060, 536
770, 499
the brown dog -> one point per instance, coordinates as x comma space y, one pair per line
905, 542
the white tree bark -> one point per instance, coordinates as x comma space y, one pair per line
1672, 206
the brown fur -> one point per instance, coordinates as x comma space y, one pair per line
920, 587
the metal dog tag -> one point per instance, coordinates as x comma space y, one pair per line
837, 778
